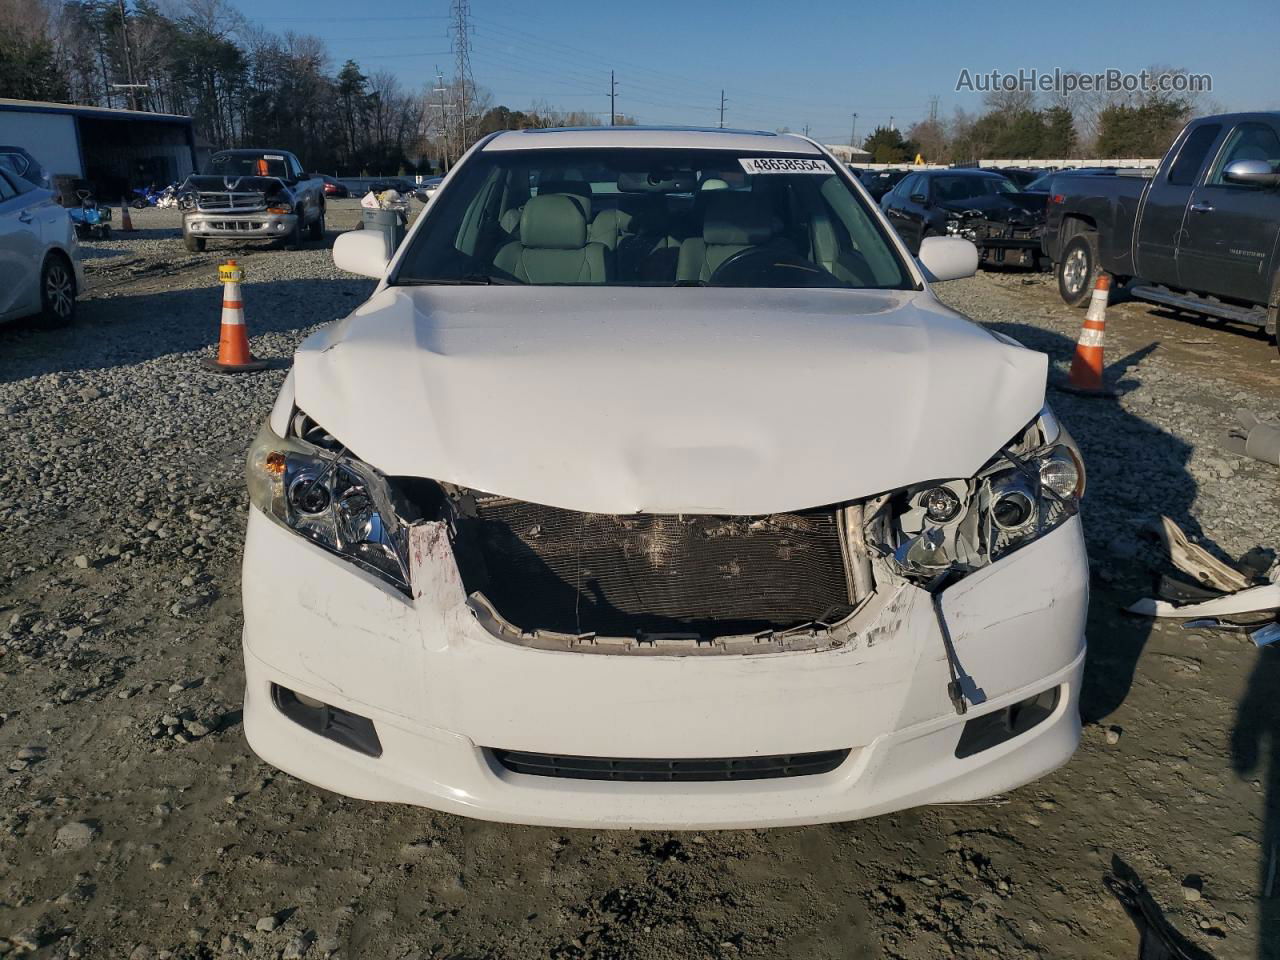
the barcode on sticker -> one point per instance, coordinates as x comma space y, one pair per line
783, 165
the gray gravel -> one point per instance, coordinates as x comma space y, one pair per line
121, 518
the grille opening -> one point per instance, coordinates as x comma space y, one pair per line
691, 770
564, 571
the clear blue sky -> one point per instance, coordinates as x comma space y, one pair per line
787, 63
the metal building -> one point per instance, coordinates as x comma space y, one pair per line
114, 150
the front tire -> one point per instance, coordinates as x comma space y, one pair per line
194, 244
317, 226
294, 240
57, 291
1078, 269
139, 204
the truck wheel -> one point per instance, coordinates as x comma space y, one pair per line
194, 244
1078, 269
317, 226
57, 291
294, 240
1273, 310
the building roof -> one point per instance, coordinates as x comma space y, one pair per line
105, 113
695, 138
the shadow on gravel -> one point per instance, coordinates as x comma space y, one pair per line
117, 331
1136, 471
1255, 744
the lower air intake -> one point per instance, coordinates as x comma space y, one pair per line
633, 770
544, 568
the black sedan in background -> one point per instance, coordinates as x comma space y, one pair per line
987, 208
880, 182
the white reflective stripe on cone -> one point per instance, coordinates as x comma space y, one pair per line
1090, 338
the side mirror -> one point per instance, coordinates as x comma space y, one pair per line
362, 252
1254, 172
941, 258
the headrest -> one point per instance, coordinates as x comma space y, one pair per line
714, 183
736, 218
553, 222
578, 189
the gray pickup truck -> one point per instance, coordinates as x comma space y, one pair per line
252, 195
1201, 236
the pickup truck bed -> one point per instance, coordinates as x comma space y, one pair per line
1202, 235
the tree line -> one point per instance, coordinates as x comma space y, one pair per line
1020, 125
246, 86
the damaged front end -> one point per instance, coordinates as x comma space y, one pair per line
1002, 236
669, 584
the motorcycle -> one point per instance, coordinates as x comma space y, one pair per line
149, 196
90, 220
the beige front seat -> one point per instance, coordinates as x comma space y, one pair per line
553, 245
732, 222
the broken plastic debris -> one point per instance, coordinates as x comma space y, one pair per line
1197, 561
1253, 438
1252, 600
1265, 635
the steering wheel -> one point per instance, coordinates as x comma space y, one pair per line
765, 267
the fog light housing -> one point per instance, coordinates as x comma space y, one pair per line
349, 729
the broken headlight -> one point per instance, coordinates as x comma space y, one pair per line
1029, 488
308, 483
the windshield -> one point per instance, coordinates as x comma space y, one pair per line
967, 188
658, 217
248, 165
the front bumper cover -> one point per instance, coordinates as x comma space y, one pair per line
259, 225
441, 690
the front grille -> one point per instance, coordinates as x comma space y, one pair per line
995, 230
695, 770
545, 568
245, 225
227, 202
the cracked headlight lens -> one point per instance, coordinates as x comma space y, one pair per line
334, 500
1030, 488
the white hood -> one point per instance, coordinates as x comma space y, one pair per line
668, 400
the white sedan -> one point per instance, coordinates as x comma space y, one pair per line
654, 487
40, 270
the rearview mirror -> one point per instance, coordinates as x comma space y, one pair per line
362, 252
941, 258
1256, 172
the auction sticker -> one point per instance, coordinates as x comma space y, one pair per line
783, 165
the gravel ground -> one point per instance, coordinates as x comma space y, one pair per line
135, 822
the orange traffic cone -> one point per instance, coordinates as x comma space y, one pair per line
1087, 365
233, 343
126, 221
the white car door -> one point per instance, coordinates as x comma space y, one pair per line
21, 253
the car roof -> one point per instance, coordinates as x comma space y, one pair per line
965, 172
696, 138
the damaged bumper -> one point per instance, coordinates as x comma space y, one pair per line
847, 731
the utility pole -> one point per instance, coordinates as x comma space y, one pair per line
460, 28
613, 95
723, 101
806, 129
853, 133
444, 117
128, 64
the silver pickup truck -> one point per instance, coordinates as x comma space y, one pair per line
252, 195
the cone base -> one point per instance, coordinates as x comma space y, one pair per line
1066, 386
250, 367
